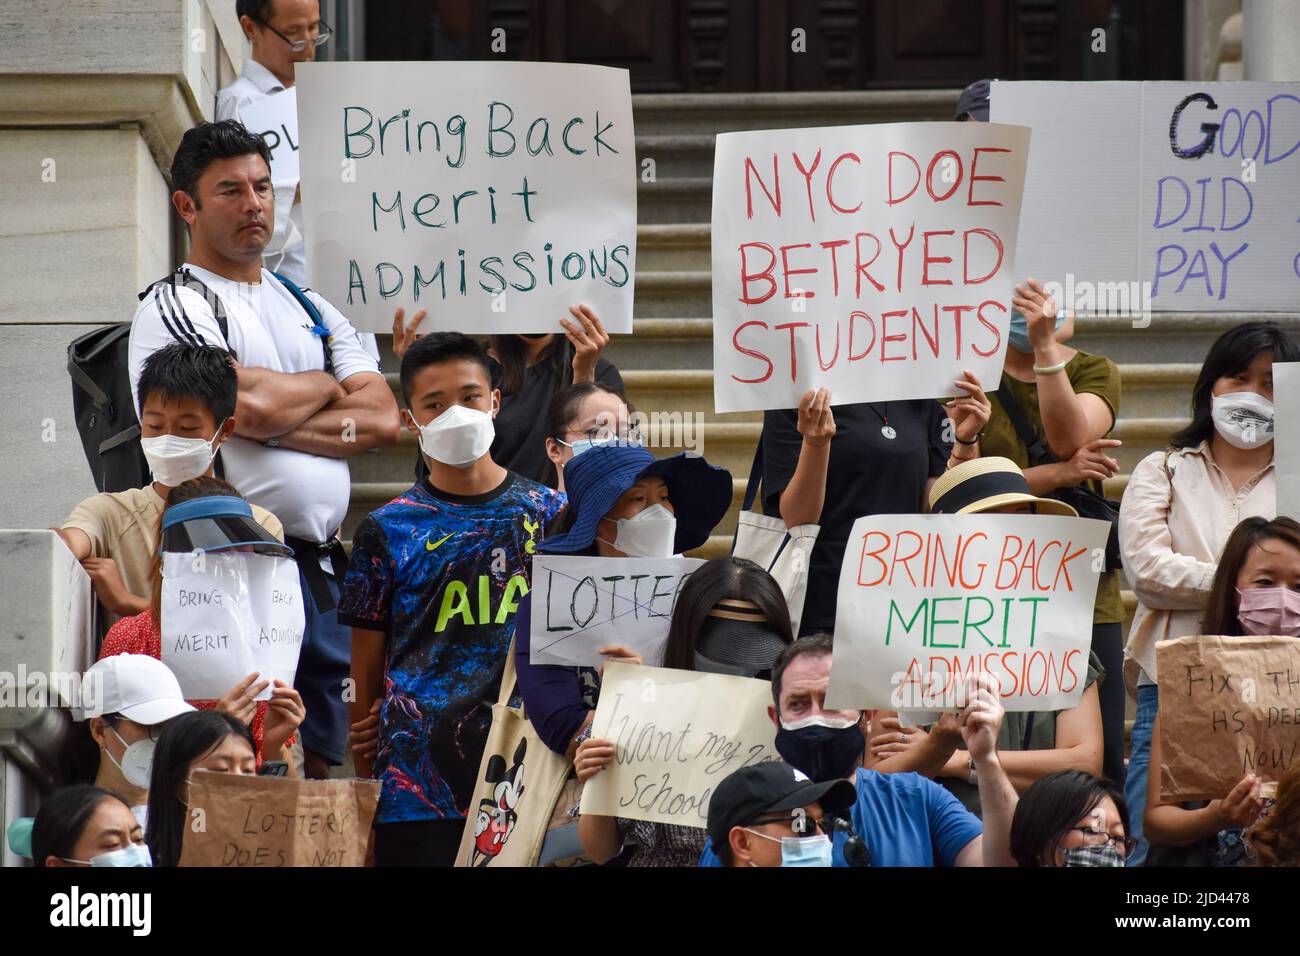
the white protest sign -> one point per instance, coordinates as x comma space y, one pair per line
584, 603
494, 194
875, 260
677, 735
927, 600
1189, 204
1286, 437
226, 615
275, 119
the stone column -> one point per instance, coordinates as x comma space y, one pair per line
94, 98
1271, 40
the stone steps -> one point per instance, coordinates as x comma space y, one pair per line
671, 114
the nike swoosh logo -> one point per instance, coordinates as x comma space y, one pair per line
434, 545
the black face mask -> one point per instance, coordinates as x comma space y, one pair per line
823, 753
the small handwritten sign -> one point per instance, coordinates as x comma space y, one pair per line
236, 820
227, 614
581, 604
927, 600
677, 735
1228, 706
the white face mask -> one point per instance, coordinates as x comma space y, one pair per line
173, 459
1243, 419
458, 437
137, 763
647, 534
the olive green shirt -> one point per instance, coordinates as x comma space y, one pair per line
1091, 374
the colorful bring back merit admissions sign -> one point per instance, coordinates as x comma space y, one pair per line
874, 260
926, 601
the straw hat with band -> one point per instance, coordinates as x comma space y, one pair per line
735, 633
217, 523
700, 493
983, 484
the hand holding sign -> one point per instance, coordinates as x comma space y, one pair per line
1242, 805
971, 410
588, 338
982, 717
241, 701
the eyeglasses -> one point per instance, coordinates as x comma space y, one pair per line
802, 825
323, 33
600, 434
1091, 837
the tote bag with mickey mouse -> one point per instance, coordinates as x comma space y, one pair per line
519, 782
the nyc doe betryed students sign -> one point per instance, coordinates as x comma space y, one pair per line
875, 260
581, 604
677, 735
927, 600
495, 194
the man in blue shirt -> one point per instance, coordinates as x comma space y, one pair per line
904, 819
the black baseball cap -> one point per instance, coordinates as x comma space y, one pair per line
750, 792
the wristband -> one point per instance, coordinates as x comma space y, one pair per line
974, 777
1051, 369
973, 441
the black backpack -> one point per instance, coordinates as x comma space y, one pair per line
103, 405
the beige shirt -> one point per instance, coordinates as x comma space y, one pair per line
123, 526
1171, 533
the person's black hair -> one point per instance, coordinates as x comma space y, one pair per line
725, 577
62, 819
79, 759
563, 410
1052, 806
1231, 354
184, 740
819, 645
180, 370
204, 144
259, 10
436, 348
512, 357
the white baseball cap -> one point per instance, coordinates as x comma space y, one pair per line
139, 687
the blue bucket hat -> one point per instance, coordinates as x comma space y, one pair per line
700, 493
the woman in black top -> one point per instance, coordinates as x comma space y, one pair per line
867, 458
529, 370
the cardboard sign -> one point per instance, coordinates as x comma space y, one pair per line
1286, 437
1190, 206
927, 600
236, 820
1229, 706
495, 195
227, 614
875, 260
581, 604
677, 735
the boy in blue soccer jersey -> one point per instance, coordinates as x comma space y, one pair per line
431, 592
